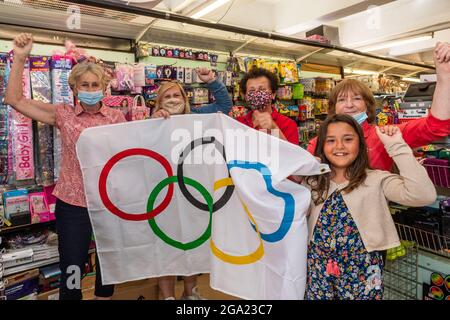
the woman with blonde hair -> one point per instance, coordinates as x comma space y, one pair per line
88, 82
173, 100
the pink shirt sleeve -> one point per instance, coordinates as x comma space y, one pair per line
59, 112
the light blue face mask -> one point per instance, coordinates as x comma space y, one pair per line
90, 98
360, 117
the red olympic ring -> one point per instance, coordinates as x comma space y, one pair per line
104, 176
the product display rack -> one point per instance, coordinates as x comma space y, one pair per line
2, 283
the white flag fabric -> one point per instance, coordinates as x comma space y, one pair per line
198, 194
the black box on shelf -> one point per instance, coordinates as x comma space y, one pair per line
20, 218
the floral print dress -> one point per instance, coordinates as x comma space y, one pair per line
339, 266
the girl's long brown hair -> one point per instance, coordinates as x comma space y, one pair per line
356, 172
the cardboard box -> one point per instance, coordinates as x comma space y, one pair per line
137, 290
49, 295
22, 284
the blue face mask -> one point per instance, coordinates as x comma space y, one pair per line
90, 98
360, 117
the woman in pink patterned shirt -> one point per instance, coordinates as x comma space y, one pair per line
88, 82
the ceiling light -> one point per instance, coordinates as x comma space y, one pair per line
411, 79
360, 72
394, 43
213, 6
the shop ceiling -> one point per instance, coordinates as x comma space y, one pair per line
116, 24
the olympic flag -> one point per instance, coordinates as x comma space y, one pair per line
198, 194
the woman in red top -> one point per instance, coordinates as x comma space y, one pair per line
354, 98
88, 82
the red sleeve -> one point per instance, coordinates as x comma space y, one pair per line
312, 144
423, 131
291, 132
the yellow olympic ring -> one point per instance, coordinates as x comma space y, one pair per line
247, 259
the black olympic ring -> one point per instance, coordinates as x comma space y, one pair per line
200, 205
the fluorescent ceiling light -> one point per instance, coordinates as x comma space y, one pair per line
213, 6
394, 43
142, 20
360, 72
411, 79
305, 26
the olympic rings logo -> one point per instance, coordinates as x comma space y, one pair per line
210, 206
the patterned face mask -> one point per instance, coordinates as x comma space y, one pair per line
258, 100
174, 106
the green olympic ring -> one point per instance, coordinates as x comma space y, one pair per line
177, 244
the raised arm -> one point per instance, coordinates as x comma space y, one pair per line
223, 101
441, 99
412, 187
36, 110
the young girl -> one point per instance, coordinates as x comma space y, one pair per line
172, 100
350, 222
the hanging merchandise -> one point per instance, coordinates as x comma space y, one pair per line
180, 74
56, 153
60, 70
309, 85
288, 72
125, 77
150, 74
110, 71
297, 91
188, 78
285, 93
139, 111
4, 124
39, 210
22, 135
139, 74
41, 91
122, 103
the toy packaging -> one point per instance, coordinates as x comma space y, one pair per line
188, 79
38, 207
17, 207
125, 77
139, 74
170, 72
122, 103
51, 201
180, 74
200, 96
150, 74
